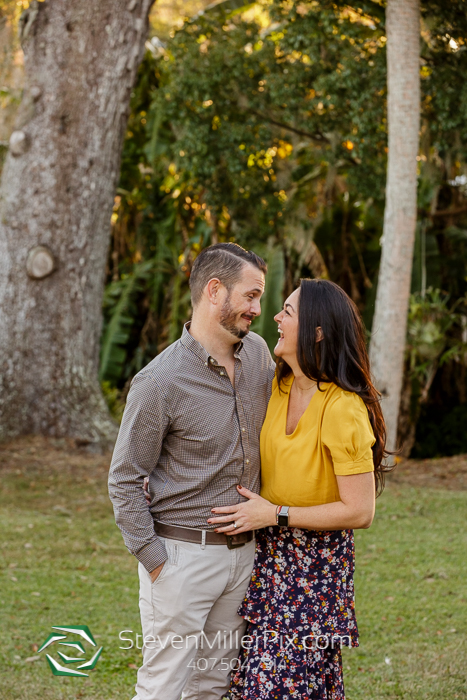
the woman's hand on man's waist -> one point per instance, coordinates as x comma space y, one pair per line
252, 514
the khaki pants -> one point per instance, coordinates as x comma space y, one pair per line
191, 630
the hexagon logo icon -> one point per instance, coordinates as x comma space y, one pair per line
72, 647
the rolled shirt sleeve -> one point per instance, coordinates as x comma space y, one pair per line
144, 425
348, 435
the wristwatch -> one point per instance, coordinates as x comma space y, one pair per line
283, 516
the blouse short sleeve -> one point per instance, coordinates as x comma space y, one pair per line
348, 435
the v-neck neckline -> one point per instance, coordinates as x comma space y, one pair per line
306, 409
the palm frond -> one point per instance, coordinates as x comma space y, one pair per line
118, 299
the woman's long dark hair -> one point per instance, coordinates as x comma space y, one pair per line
340, 357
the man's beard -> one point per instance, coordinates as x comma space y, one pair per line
227, 320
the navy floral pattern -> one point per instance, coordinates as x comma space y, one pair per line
301, 610
276, 670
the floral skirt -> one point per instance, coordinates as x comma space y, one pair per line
300, 608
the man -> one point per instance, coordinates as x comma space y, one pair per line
191, 424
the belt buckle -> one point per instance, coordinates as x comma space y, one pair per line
231, 544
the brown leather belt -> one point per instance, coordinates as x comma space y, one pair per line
186, 534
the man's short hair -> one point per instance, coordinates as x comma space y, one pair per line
224, 261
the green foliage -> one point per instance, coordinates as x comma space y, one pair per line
348, 238
114, 400
225, 143
154, 235
261, 99
429, 342
435, 342
265, 123
118, 303
444, 58
273, 297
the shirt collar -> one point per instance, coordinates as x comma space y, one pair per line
191, 344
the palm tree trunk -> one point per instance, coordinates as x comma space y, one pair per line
390, 319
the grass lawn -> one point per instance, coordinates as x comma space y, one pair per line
63, 563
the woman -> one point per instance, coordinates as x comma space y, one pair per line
322, 446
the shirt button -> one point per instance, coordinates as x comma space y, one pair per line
206, 364
222, 374
247, 461
211, 361
243, 430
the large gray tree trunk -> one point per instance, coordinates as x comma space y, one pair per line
400, 216
57, 190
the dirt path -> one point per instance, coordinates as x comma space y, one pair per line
447, 473
33, 455
38, 455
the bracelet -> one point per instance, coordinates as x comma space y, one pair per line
277, 514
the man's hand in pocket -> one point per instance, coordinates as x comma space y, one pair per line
155, 573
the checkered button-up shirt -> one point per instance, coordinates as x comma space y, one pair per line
194, 434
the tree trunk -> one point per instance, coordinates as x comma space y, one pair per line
390, 320
57, 190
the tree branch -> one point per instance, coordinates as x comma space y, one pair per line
300, 132
449, 212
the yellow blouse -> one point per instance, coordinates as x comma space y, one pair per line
333, 437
